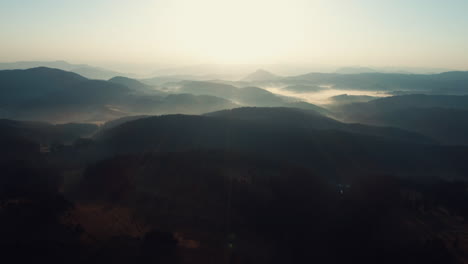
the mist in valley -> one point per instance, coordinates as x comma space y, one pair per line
238, 132
323, 96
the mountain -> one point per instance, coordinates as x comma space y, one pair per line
58, 96
311, 120
192, 104
135, 85
412, 70
209, 88
40, 93
81, 69
303, 142
264, 200
254, 96
308, 106
447, 125
38, 85
130, 83
348, 99
91, 72
354, 70
45, 133
442, 117
248, 96
260, 76
23, 65
280, 116
421, 101
170, 79
443, 83
231, 72
119, 121
271, 183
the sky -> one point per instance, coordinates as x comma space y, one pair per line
407, 33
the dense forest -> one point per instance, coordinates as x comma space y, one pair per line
191, 171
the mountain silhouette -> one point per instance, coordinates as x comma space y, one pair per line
444, 83
441, 117
260, 76
313, 142
348, 99
247, 96
354, 70
135, 85
81, 69
58, 96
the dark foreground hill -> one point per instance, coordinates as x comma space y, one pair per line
251, 185
324, 144
45, 133
295, 118
267, 212
441, 117
196, 207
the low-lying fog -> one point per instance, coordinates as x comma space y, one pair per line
322, 97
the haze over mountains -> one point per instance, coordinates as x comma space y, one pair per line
59, 96
207, 71
87, 71
443, 117
46, 94
193, 167
233, 132
260, 76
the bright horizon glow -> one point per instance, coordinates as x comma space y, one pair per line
417, 33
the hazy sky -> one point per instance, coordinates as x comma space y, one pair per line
414, 33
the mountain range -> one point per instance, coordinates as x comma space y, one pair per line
54, 95
442, 117
186, 173
87, 71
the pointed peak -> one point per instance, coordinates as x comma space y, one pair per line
260, 75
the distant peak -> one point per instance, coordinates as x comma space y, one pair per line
262, 71
260, 75
355, 70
